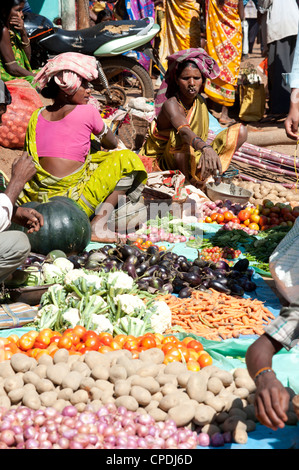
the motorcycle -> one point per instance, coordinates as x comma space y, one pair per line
121, 77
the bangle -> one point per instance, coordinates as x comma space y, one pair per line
263, 371
204, 147
26, 44
180, 127
9, 63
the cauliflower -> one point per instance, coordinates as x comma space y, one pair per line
129, 303
93, 279
161, 318
101, 323
51, 273
63, 264
71, 316
120, 280
72, 275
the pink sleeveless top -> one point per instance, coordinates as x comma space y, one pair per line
69, 137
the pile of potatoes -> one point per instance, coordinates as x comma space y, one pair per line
275, 192
210, 400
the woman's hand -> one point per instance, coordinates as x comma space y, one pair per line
209, 163
292, 121
17, 21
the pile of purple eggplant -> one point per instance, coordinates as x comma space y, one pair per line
167, 272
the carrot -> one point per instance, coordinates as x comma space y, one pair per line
217, 316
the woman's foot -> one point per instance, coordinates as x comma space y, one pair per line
226, 121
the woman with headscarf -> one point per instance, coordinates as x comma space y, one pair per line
61, 139
177, 138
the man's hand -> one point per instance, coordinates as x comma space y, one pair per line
292, 121
29, 218
271, 401
209, 163
23, 168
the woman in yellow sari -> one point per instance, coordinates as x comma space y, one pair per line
224, 45
178, 136
61, 140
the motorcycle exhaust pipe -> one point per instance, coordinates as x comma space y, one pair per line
103, 78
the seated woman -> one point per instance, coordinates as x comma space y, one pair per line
61, 139
15, 50
177, 138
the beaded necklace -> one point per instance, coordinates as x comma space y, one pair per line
182, 104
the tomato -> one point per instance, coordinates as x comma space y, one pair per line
55, 339
193, 365
193, 355
115, 345
220, 218
208, 220
166, 347
147, 244
214, 216
159, 338
105, 338
139, 240
43, 339
138, 245
246, 222
12, 347
187, 339
131, 344
41, 353
64, 342
254, 226
26, 342
170, 338
147, 342
185, 352
170, 358
162, 248
94, 342
13, 338
228, 215
104, 349
79, 331
255, 218
196, 345
135, 353
47, 332
244, 214
205, 359
121, 339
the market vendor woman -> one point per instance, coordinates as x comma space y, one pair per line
177, 138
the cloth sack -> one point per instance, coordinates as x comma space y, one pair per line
252, 102
16, 314
283, 264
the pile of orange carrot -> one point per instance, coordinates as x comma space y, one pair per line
216, 316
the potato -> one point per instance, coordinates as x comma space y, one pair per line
158, 414
171, 400
65, 393
21, 363
153, 355
183, 378
148, 370
128, 364
72, 380
44, 385
31, 400
40, 370
122, 387
292, 418
152, 404
48, 398
62, 355
45, 359
79, 396
210, 429
215, 385
129, 402
238, 413
86, 383
96, 405
245, 382
104, 386
168, 388
197, 386
221, 417
57, 372
60, 404
16, 395
239, 433
250, 412
95, 393
31, 377
163, 379
182, 415
117, 372
93, 358
232, 422
204, 414
250, 425
106, 397
216, 402
225, 377
141, 394
175, 368
10, 383
241, 392
5, 401
81, 367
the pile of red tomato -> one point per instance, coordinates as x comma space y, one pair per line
219, 254
78, 340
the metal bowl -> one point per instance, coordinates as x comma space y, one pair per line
230, 191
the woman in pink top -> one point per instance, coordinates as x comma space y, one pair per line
61, 139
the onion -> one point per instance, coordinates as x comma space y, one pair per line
203, 439
217, 440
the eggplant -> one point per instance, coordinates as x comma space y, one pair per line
152, 250
209, 272
74, 260
193, 279
195, 269
154, 259
217, 285
242, 265
156, 283
167, 288
200, 263
142, 284
178, 284
249, 286
236, 289
185, 292
222, 265
131, 259
127, 250
150, 271
140, 270
97, 256
181, 258
131, 270
184, 266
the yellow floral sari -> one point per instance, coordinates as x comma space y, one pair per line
180, 28
224, 45
92, 183
162, 146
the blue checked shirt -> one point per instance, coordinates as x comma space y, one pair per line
285, 328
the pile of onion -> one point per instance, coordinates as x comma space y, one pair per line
107, 428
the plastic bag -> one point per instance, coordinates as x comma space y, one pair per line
25, 100
252, 102
283, 264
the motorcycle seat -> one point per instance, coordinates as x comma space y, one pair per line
87, 40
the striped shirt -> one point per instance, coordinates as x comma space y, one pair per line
285, 328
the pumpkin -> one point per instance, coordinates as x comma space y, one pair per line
66, 227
